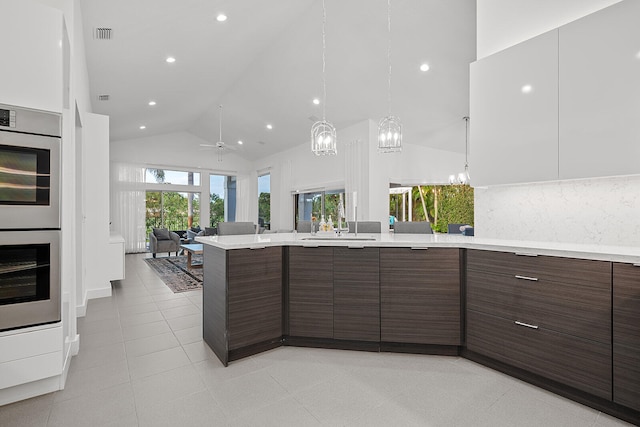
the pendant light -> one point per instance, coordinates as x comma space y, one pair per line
390, 127
323, 133
463, 177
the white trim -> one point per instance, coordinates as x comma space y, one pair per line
29, 390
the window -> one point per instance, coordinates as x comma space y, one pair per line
222, 199
163, 176
314, 206
441, 205
264, 201
172, 210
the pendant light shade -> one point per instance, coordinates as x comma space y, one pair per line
390, 127
323, 134
323, 138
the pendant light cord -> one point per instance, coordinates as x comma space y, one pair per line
220, 122
466, 141
389, 52
324, 64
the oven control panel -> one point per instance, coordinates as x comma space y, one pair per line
7, 118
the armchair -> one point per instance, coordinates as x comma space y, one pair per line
163, 240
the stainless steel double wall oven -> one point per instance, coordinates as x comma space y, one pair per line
30, 167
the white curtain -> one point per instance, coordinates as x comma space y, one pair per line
247, 198
128, 205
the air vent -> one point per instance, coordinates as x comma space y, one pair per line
103, 33
103, 97
261, 142
314, 119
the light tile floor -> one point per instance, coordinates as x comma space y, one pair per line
142, 362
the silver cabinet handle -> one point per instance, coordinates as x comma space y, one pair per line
527, 325
532, 279
355, 247
525, 254
636, 265
310, 246
418, 248
258, 247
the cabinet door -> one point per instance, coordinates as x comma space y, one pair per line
600, 93
356, 294
254, 296
420, 296
626, 335
514, 131
311, 292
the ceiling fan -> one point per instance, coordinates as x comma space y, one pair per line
220, 146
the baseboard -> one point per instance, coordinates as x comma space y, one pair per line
29, 390
99, 293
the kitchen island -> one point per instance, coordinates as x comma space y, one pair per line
562, 316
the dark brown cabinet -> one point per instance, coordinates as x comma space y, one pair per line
547, 315
311, 292
626, 335
420, 296
242, 301
356, 294
254, 296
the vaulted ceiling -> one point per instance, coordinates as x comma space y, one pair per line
264, 65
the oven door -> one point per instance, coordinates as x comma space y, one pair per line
29, 181
29, 278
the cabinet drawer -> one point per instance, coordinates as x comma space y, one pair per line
578, 363
583, 310
626, 305
566, 270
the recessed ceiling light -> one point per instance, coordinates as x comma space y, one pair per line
269, 126
221, 17
171, 59
424, 67
143, 127
240, 142
527, 89
316, 101
152, 103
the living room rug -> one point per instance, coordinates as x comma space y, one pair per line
174, 273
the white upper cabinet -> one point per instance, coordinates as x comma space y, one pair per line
600, 93
514, 114
31, 65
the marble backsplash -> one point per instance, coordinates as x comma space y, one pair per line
602, 211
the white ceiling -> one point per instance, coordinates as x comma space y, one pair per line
264, 66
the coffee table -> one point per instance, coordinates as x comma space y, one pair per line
195, 248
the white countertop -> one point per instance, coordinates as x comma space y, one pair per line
626, 254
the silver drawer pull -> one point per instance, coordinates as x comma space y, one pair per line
310, 246
636, 265
418, 248
525, 254
532, 279
526, 325
355, 247
258, 247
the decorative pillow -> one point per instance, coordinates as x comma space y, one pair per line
162, 234
196, 229
210, 231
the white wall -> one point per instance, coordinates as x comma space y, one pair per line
600, 211
504, 23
